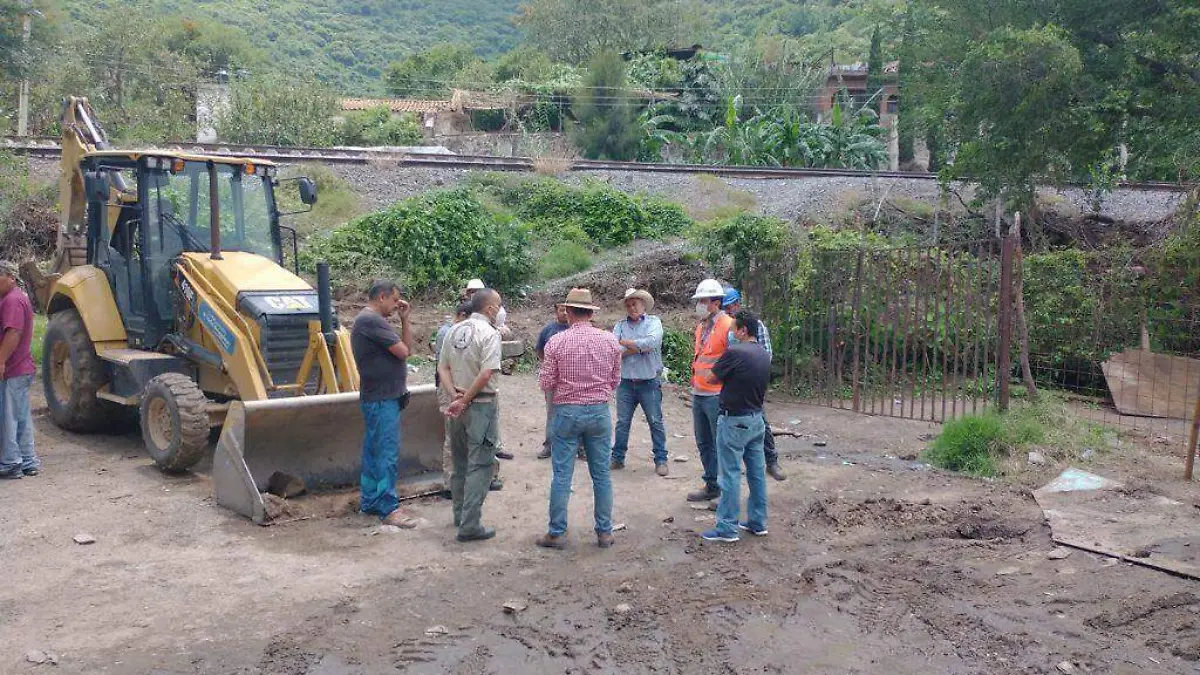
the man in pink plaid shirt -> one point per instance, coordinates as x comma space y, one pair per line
582, 368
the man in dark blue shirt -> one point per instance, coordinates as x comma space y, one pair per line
743, 372
560, 323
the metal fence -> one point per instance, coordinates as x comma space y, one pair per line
903, 332
931, 333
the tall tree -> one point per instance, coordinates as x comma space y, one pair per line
906, 118
578, 30
875, 67
1019, 100
607, 125
431, 73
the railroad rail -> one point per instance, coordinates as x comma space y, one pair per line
412, 157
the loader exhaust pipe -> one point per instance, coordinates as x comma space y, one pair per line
325, 300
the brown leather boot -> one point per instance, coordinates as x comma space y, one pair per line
552, 541
604, 539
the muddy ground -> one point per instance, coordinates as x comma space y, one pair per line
874, 564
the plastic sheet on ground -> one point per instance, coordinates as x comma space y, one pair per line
1104, 516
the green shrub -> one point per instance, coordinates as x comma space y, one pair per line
746, 242
434, 241
968, 444
564, 259
974, 444
605, 215
377, 126
678, 348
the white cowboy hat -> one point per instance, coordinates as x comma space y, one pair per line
644, 296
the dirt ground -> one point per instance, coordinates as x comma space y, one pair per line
874, 564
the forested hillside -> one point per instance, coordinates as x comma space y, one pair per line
350, 43
346, 43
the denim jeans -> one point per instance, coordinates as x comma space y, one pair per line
769, 450
380, 456
705, 410
16, 425
740, 441
591, 424
647, 393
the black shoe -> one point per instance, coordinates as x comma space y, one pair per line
496, 486
31, 472
544, 454
503, 454
485, 533
12, 474
704, 494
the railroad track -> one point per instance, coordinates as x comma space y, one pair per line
48, 147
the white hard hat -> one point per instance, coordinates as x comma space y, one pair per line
709, 288
475, 285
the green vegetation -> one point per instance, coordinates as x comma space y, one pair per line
593, 213
606, 127
279, 111
431, 73
337, 202
563, 259
677, 355
490, 229
980, 444
432, 242
378, 126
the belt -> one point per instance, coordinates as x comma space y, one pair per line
740, 413
483, 398
637, 381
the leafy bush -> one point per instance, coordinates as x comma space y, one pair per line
604, 215
747, 242
968, 444
377, 126
337, 202
275, 110
976, 444
564, 259
434, 241
677, 351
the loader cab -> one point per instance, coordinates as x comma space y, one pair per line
143, 211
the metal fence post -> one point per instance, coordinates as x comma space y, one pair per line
1004, 357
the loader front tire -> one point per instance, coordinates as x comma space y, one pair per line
72, 373
174, 422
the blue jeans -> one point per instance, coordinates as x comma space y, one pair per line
740, 440
591, 424
705, 410
16, 426
648, 393
380, 456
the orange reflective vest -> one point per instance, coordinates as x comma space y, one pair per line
707, 353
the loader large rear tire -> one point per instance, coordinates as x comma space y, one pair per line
71, 376
174, 422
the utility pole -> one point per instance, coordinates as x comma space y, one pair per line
23, 99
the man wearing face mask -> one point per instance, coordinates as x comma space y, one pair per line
732, 304
467, 365
712, 338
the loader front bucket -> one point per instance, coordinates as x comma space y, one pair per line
316, 439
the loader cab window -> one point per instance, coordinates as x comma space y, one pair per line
180, 217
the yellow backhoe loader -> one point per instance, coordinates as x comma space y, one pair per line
169, 296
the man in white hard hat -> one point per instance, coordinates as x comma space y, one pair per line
501, 320
712, 338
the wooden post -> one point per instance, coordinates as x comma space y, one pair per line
1191, 446
1004, 356
1022, 326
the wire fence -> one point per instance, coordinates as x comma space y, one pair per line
934, 333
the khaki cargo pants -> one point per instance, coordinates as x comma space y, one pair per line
473, 437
